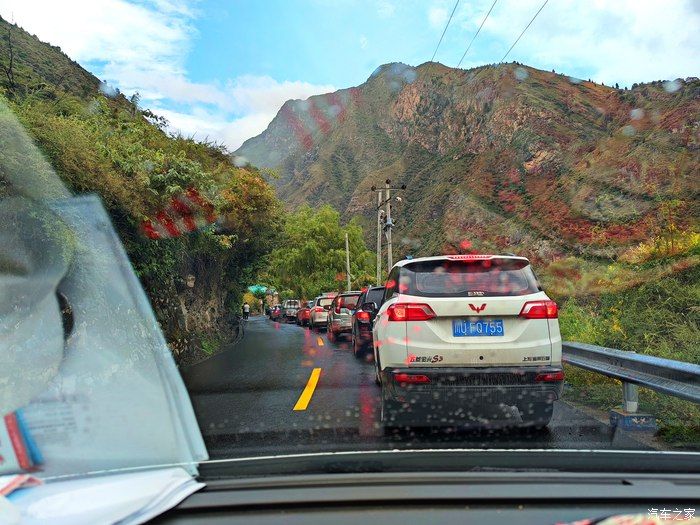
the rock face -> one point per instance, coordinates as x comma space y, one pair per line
503, 157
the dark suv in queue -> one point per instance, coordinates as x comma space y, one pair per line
362, 318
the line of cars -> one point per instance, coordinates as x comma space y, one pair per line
452, 335
348, 313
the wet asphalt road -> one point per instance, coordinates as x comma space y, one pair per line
244, 399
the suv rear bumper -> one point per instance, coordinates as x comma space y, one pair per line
452, 392
319, 318
341, 324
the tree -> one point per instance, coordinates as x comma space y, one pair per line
617, 86
310, 258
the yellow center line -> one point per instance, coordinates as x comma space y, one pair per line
319, 341
305, 397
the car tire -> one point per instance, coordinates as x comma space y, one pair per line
357, 351
536, 415
377, 372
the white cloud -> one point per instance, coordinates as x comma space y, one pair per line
437, 16
261, 93
253, 101
142, 47
205, 125
623, 41
385, 9
363, 42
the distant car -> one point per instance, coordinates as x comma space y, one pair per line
304, 313
276, 312
339, 316
290, 307
319, 311
461, 330
362, 318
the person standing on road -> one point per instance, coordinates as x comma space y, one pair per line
246, 310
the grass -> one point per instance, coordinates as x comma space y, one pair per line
210, 344
661, 318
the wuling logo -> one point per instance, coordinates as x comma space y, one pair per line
477, 309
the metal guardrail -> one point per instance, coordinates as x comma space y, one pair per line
675, 378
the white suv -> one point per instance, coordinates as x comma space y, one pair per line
460, 332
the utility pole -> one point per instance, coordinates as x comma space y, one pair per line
389, 225
379, 237
347, 260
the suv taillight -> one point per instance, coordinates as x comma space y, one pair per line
362, 316
318, 309
550, 376
540, 310
411, 378
410, 312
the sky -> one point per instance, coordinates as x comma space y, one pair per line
221, 69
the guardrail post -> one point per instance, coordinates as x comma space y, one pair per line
627, 417
630, 393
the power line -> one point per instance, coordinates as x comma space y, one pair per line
445, 30
477, 33
521, 34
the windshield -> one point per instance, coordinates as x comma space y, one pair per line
513, 184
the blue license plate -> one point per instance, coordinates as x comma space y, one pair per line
463, 328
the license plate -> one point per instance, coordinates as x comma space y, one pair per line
462, 328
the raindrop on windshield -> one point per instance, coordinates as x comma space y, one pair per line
521, 73
671, 86
637, 113
239, 161
107, 90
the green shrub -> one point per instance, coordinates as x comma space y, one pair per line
660, 318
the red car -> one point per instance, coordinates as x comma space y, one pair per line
276, 312
304, 313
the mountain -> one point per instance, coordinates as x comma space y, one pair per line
504, 157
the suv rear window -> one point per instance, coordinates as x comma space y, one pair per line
465, 278
324, 301
348, 301
375, 295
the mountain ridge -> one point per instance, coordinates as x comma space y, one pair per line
583, 166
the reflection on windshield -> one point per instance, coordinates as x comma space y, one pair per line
331, 254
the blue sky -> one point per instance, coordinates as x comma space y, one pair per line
221, 69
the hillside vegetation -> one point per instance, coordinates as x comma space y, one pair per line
501, 158
97, 141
